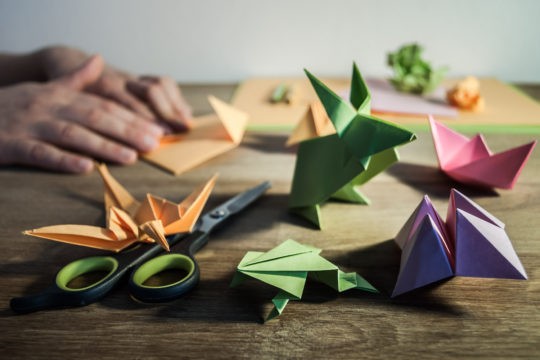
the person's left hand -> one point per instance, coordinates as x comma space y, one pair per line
157, 99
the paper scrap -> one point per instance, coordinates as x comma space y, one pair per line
387, 100
466, 95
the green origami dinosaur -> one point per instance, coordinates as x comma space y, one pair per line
332, 166
287, 266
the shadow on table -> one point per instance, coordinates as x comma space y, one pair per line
263, 214
269, 143
214, 301
379, 264
433, 182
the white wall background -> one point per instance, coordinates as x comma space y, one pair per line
229, 40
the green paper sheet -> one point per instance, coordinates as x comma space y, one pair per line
287, 267
333, 165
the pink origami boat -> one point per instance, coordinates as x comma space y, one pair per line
471, 242
470, 161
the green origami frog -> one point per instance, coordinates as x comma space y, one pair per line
332, 166
287, 267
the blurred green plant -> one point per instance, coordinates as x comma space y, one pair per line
413, 74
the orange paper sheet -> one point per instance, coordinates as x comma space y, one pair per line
212, 135
504, 105
130, 220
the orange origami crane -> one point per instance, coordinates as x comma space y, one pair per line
212, 135
129, 220
471, 162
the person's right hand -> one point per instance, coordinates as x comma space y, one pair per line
57, 126
156, 98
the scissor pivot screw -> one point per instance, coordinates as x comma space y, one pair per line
218, 214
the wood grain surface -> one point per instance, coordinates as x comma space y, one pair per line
458, 318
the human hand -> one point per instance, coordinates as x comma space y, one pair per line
154, 98
57, 126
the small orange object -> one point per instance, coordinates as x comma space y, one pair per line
466, 95
130, 221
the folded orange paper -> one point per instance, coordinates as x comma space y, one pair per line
129, 220
212, 135
314, 123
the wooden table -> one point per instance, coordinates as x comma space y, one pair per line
462, 317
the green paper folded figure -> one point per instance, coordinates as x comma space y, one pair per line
287, 267
333, 166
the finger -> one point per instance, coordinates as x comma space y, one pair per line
173, 93
109, 119
36, 153
73, 136
132, 103
156, 95
181, 106
85, 75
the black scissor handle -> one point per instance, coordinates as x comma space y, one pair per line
60, 295
181, 259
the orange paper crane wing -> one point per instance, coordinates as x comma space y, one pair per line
120, 233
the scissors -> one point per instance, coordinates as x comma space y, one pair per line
144, 261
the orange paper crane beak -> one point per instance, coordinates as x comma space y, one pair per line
129, 220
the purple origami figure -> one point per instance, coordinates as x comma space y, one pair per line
471, 242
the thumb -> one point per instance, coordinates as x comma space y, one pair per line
84, 75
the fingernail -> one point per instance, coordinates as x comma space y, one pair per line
127, 156
149, 143
83, 165
155, 130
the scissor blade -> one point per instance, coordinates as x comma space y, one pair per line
242, 200
232, 206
